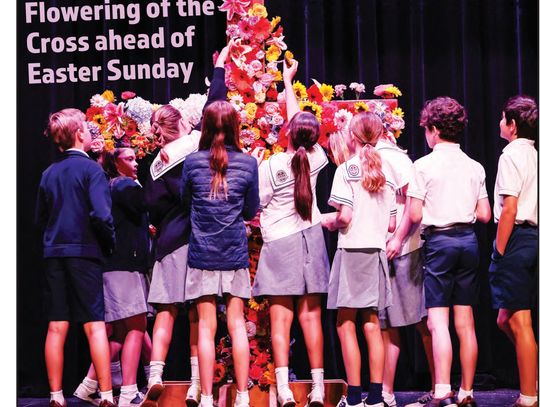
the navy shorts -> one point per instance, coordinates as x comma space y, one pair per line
451, 263
74, 289
514, 277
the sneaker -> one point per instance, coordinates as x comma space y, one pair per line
316, 396
107, 403
85, 395
343, 403
285, 397
446, 401
151, 397
467, 402
193, 395
518, 404
381, 404
241, 403
422, 400
135, 402
54, 403
389, 399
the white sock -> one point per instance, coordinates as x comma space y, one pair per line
463, 393
156, 372
107, 395
194, 360
282, 377
525, 400
442, 390
207, 401
317, 376
388, 398
58, 396
242, 397
90, 385
128, 393
146, 371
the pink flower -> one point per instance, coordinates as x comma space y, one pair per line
97, 144
233, 7
244, 30
271, 108
232, 31
266, 79
128, 95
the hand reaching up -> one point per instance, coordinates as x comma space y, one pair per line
289, 71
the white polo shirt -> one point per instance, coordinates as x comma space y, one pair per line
399, 171
279, 217
450, 184
371, 211
517, 175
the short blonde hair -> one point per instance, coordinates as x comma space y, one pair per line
63, 126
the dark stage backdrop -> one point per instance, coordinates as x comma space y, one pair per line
479, 52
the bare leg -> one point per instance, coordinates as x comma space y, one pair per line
468, 347
135, 327
206, 308
54, 352
146, 351
281, 317
372, 332
392, 346
162, 334
422, 328
346, 329
99, 352
503, 322
193, 330
309, 316
236, 325
438, 318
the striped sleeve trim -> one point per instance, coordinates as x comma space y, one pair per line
340, 201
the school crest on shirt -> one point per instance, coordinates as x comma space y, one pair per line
177, 150
281, 176
353, 170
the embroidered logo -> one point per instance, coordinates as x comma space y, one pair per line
158, 166
353, 170
281, 176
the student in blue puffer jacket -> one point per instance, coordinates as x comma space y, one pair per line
220, 185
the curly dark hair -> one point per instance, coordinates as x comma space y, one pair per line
524, 111
447, 115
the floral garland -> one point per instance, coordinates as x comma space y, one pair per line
127, 124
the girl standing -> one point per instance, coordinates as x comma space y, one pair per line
293, 261
220, 185
365, 204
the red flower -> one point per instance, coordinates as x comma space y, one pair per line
258, 143
131, 128
255, 372
248, 95
329, 110
92, 111
262, 359
261, 30
241, 80
271, 94
126, 95
314, 94
282, 137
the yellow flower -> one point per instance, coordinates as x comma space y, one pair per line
272, 53
277, 75
299, 90
254, 305
109, 145
258, 10
397, 133
327, 92
398, 112
393, 90
276, 148
256, 133
361, 107
108, 95
155, 106
288, 57
230, 94
251, 110
275, 21
99, 119
313, 108
267, 154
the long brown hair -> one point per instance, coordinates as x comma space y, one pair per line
220, 127
367, 127
304, 133
165, 127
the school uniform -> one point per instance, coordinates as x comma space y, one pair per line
124, 285
406, 269
218, 254
74, 211
169, 215
450, 184
293, 258
513, 276
359, 277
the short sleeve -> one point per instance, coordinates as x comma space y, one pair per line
483, 191
393, 203
417, 185
508, 178
266, 191
342, 192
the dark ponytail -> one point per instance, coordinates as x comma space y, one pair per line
303, 195
219, 161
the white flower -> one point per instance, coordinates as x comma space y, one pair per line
144, 128
278, 42
237, 102
258, 87
272, 138
271, 66
139, 109
247, 137
262, 122
191, 108
256, 65
339, 89
378, 108
98, 101
357, 87
251, 329
260, 54
342, 118
277, 120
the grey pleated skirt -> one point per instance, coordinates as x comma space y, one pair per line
359, 279
407, 283
125, 294
293, 265
169, 278
200, 283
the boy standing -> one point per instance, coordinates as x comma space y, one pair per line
74, 211
448, 194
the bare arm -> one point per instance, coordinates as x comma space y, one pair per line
415, 210
337, 220
290, 98
483, 210
506, 222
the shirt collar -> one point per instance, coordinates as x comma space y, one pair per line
78, 150
519, 142
446, 146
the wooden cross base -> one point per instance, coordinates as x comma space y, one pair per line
174, 394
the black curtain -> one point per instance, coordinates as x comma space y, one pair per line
480, 52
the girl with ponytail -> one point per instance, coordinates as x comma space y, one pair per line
293, 264
220, 186
359, 279
177, 139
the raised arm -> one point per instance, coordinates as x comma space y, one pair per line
290, 98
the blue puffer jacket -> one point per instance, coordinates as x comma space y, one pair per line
218, 239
